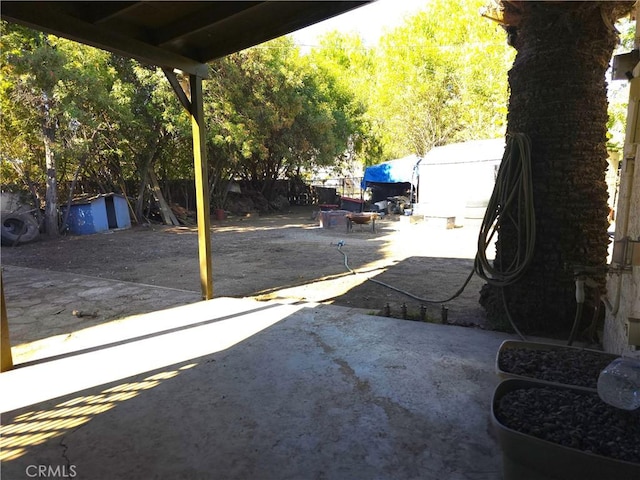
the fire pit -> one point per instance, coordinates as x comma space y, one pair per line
362, 219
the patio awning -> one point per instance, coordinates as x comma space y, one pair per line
175, 35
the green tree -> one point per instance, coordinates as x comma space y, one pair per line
352, 66
72, 112
441, 78
31, 67
64, 106
153, 130
20, 132
271, 113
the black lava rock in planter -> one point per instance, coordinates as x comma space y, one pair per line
551, 363
558, 432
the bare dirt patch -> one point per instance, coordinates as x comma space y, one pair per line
286, 256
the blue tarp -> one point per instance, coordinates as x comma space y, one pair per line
400, 170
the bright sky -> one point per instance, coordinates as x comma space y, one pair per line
370, 21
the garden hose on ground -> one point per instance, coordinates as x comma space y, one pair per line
511, 200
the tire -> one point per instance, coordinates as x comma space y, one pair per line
18, 228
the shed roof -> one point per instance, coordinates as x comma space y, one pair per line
176, 35
471, 151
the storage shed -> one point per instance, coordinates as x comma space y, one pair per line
98, 214
456, 180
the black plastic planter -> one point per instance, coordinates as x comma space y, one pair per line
558, 364
527, 456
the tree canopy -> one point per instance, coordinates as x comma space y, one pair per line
271, 111
441, 78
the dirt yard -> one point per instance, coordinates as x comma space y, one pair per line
285, 256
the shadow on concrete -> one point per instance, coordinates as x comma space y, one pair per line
237, 389
433, 280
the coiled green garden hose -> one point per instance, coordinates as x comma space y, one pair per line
512, 201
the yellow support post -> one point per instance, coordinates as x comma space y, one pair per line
202, 186
6, 360
191, 100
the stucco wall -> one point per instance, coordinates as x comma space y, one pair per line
625, 283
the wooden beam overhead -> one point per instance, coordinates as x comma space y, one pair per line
47, 18
266, 21
101, 12
207, 19
183, 35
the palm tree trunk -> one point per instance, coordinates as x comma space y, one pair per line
559, 100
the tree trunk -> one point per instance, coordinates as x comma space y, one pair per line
559, 100
65, 217
143, 170
51, 195
144, 180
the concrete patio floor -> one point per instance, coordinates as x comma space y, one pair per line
239, 389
